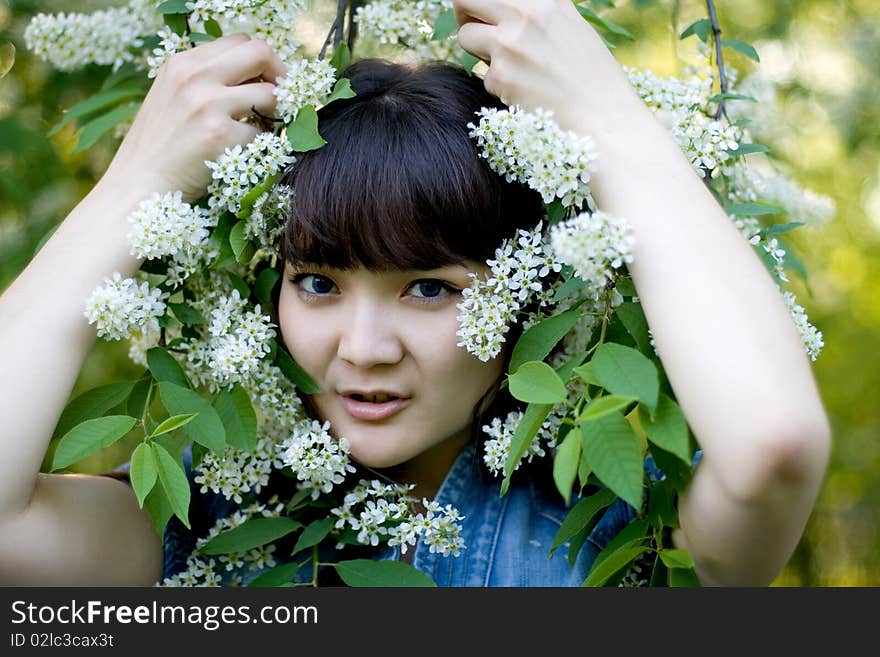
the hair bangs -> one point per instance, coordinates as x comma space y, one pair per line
399, 183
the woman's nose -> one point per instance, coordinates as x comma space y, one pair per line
368, 337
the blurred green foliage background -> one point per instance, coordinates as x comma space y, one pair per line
824, 57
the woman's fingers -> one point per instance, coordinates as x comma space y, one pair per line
240, 101
249, 60
478, 39
486, 11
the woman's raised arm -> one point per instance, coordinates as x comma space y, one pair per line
57, 529
728, 344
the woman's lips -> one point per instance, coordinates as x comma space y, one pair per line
364, 410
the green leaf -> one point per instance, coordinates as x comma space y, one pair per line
250, 534
748, 149
571, 287
97, 102
137, 400
627, 372
220, 239
341, 90
538, 341
90, 436
313, 534
615, 455
187, 315
302, 134
91, 404
565, 464
752, 209
241, 247
173, 480
584, 469
7, 58
683, 577
238, 416
532, 419
585, 372
239, 284
583, 515
370, 573
780, 229
633, 318
207, 428
165, 367
297, 375
677, 558
600, 574
678, 474
604, 405
341, 58
467, 60
173, 7
142, 472
536, 382
661, 504
626, 287
264, 285
594, 18
702, 28
277, 576
668, 429
729, 95
172, 423
246, 206
159, 508
633, 535
445, 25
96, 128
741, 47
659, 574
213, 28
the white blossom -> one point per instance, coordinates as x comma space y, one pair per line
810, 335
594, 245
121, 307
308, 82
530, 148
317, 459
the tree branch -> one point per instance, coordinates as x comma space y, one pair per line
719, 57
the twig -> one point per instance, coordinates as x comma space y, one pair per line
719, 57
336, 29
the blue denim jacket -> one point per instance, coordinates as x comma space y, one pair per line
507, 538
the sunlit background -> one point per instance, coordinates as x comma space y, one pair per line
823, 56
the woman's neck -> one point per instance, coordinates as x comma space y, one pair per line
428, 470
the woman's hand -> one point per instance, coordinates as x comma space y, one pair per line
191, 114
542, 53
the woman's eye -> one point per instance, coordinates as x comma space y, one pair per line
313, 283
431, 289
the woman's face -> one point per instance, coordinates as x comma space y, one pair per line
359, 333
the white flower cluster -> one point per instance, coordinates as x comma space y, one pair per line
669, 97
166, 225
170, 42
399, 21
707, 142
751, 230
265, 225
240, 169
317, 459
70, 41
122, 307
490, 306
308, 82
233, 568
232, 346
379, 512
529, 147
497, 449
237, 472
273, 21
594, 245
810, 335
800, 204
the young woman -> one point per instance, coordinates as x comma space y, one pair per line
729, 347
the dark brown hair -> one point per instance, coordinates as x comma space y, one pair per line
400, 184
